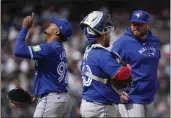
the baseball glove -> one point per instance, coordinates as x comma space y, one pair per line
120, 84
19, 97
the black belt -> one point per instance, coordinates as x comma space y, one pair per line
106, 103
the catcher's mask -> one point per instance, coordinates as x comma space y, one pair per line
99, 22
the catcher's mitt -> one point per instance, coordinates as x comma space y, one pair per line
19, 97
120, 84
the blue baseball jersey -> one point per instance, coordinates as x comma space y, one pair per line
51, 64
100, 63
143, 56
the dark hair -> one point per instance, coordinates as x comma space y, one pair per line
62, 38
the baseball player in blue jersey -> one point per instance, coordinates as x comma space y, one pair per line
141, 49
99, 97
50, 79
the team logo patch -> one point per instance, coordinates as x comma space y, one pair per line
139, 14
148, 51
36, 48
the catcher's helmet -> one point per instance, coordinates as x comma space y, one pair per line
99, 22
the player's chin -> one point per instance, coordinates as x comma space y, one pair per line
107, 45
45, 31
136, 33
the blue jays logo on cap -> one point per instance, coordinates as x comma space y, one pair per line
140, 16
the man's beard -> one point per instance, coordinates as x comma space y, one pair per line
107, 44
142, 34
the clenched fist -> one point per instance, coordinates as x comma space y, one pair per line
28, 21
124, 97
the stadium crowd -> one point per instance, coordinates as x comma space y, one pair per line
16, 71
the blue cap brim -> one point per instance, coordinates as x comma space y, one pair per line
139, 21
57, 22
54, 20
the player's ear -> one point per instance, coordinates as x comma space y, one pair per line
57, 32
148, 25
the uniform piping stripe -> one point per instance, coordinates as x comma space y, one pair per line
145, 111
127, 112
44, 107
31, 53
105, 111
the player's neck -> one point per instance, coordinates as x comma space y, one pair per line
144, 37
51, 39
99, 42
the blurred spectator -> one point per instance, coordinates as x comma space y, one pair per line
48, 13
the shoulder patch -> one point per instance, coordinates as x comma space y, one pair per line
36, 48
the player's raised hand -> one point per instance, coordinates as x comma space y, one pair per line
28, 21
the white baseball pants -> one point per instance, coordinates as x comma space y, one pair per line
54, 105
93, 109
136, 110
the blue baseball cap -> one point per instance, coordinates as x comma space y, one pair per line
64, 26
140, 16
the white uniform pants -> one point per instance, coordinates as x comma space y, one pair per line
93, 109
54, 105
136, 110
